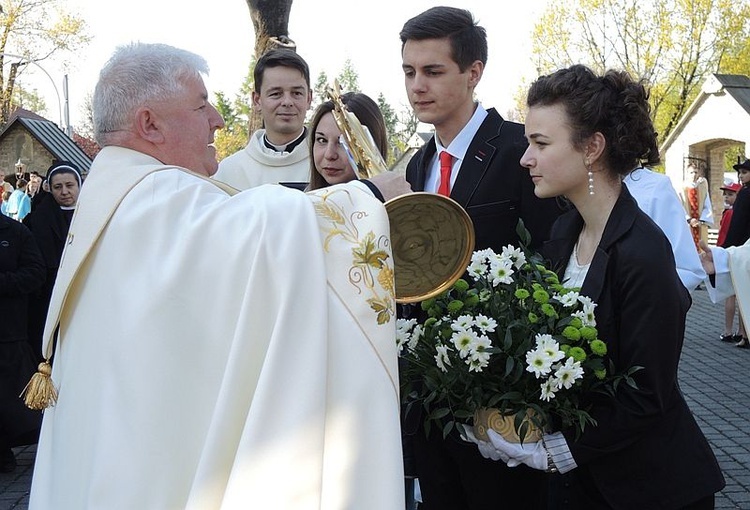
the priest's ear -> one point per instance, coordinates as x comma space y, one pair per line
149, 125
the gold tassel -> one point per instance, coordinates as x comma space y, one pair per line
40, 393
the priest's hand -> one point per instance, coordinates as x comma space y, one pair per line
707, 258
390, 184
533, 455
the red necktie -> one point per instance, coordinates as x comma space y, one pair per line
446, 162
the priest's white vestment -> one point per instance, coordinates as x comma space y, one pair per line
732, 278
220, 351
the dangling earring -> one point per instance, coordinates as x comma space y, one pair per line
591, 178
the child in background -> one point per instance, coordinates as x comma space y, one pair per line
739, 228
729, 192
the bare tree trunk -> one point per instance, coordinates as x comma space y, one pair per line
271, 24
7, 94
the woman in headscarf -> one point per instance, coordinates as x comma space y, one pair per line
49, 222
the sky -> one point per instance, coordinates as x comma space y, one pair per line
327, 33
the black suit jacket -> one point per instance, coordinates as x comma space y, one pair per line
647, 450
492, 185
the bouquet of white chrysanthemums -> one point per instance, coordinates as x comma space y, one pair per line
515, 340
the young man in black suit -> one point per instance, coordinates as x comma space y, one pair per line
443, 57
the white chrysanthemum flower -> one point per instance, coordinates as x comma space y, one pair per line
501, 271
485, 324
400, 342
441, 358
402, 338
586, 301
416, 334
566, 375
480, 356
464, 340
538, 363
405, 324
462, 323
581, 315
516, 255
477, 269
569, 299
477, 258
479, 350
588, 317
549, 347
497, 258
549, 387
477, 364
484, 295
478, 266
483, 254
481, 344
543, 339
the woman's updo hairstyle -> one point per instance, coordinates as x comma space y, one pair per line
614, 105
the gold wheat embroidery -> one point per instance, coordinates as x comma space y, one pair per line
371, 271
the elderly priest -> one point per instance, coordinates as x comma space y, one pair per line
214, 349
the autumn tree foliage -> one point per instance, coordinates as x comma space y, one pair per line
672, 44
32, 31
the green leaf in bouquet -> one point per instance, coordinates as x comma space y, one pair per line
523, 234
511, 396
462, 414
438, 414
447, 428
510, 364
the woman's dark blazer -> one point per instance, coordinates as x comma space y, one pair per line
647, 450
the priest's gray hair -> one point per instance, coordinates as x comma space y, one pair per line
136, 74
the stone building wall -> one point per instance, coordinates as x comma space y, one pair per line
19, 144
717, 125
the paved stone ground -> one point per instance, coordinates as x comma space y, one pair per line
714, 376
14, 487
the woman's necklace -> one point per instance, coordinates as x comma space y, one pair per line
584, 249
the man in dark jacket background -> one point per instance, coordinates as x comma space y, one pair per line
21, 273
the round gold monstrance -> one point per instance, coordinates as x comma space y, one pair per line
432, 236
432, 241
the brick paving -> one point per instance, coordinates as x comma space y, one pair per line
714, 378
713, 375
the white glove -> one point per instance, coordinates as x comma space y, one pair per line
485, 448
533, 455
